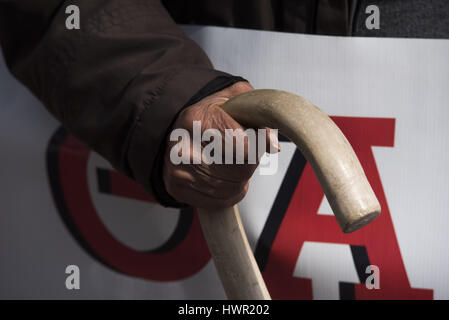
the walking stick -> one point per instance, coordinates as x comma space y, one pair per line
331, 157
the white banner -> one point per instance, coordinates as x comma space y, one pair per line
62, 205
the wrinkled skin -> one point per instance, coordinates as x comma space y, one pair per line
214, 185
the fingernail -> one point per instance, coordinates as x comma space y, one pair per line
274, 141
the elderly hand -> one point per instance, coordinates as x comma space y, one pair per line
211, 185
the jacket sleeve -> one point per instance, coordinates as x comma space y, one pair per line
117, 83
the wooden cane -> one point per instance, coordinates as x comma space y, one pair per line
331, 157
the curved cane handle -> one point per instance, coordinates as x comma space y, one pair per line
333, 160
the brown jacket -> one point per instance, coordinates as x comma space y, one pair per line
118, 82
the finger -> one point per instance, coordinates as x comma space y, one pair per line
182, 179
216, 187
237, 145
272, 141
201, 200
233, 172
175, 179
